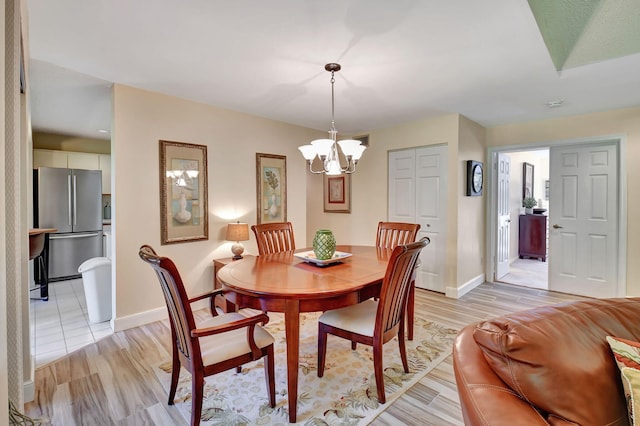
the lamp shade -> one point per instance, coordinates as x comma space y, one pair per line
237, 232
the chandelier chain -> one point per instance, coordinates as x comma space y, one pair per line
333, 123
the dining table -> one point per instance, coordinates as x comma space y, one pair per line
295, 282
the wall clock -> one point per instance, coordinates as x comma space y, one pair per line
475, 175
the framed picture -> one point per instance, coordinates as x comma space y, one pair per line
364, 139
337, 193
527, 180
546, 189
183, 192
271, 182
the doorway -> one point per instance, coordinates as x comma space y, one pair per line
578, 255
528, 177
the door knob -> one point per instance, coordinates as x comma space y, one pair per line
428, 225
556, 226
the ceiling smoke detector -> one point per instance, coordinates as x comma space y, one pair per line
554, 104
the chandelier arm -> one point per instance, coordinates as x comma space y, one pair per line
311, 168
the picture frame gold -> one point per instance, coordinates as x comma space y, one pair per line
337, 193
271, 188
183, 192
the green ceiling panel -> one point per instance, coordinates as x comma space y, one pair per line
580, 32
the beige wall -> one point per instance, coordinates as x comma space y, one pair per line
369, 188
625, 123
143, 118
471, 211
369, 183
44, 140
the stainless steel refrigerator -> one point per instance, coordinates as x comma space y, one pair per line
69, 200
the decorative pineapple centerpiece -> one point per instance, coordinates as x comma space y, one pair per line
324, 244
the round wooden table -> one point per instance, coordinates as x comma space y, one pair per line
282, 282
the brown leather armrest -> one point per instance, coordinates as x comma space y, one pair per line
485, 399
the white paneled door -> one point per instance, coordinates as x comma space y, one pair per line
583, 220
418, 194
402, 186
504, 216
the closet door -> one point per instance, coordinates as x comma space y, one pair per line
418, 194
402, 186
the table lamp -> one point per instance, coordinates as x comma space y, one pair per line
237, 232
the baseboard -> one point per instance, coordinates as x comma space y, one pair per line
29, 391
28, 386
457, 292
142, 318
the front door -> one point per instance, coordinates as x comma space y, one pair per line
583, 220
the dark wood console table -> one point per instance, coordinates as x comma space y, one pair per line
532, 242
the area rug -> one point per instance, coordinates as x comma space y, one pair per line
345, 395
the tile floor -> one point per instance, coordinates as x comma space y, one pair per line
61, 324
528, 272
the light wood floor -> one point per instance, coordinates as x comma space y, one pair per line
125, 391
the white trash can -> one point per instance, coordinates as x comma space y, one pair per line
96, 277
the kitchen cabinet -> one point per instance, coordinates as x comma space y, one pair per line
75, 160
82, 160
48, 158
532, 241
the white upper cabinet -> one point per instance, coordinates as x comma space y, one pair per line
75, 160
82, 160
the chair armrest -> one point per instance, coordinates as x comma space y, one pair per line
213, 293
250, 323
212, 299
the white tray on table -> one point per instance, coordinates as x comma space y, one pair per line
309, 256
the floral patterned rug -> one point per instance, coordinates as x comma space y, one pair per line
346, 395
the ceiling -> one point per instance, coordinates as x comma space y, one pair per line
494, 61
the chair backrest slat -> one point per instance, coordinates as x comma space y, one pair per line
395, 286
175, 295
392, 234
274, 237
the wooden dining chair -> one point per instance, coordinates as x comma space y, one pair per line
390, 235
373, 322
274, 237
217, 344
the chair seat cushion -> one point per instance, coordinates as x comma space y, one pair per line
360, 318
223, 346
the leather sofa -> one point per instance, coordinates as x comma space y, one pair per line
547, 365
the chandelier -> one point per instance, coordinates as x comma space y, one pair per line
327, 149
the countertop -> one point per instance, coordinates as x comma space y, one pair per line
38, 231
